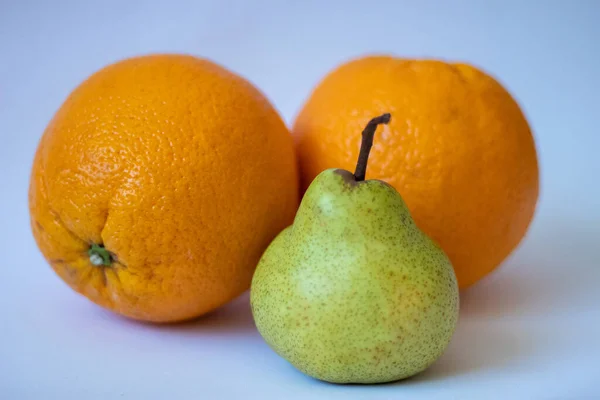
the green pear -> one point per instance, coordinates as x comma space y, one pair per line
353, 291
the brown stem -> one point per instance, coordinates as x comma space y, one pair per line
366, 144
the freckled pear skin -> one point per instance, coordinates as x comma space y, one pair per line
353, 291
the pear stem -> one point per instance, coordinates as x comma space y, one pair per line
367, 142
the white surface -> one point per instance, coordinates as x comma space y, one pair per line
529, 331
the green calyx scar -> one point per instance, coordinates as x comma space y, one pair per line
99, 255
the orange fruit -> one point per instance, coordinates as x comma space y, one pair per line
458, 149
158, 184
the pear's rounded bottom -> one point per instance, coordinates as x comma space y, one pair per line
364, 380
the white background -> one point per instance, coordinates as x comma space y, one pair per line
529, 331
